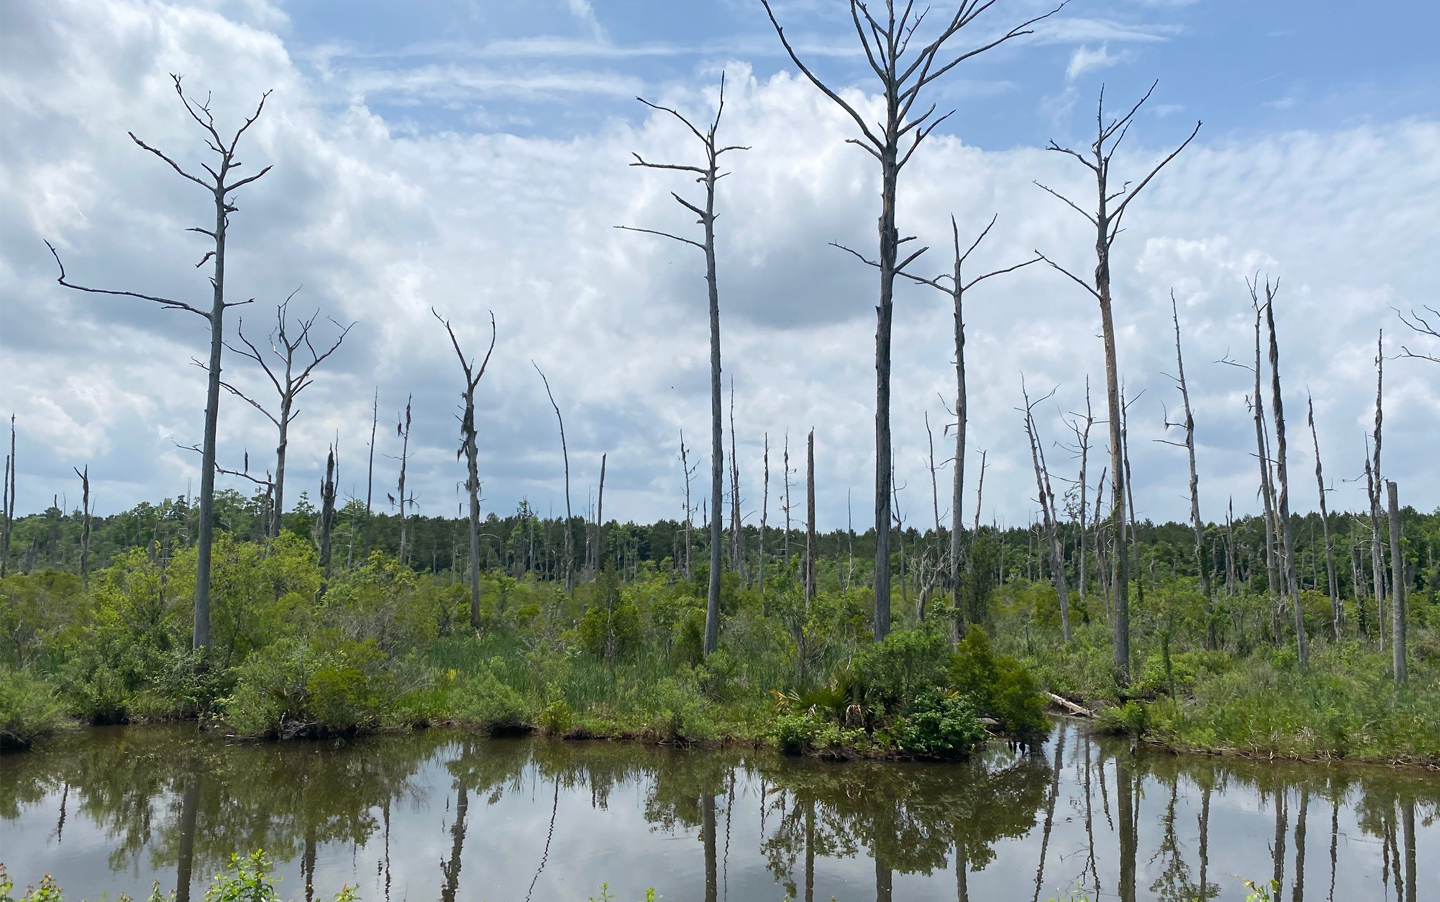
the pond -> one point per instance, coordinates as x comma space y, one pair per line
445, 816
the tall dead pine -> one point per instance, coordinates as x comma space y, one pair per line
1106, 220
1277, 409
1337, 610
810, 549
85, 525
707, 175
1397, 582
470, 450
220, 184
1048, 513
903, 76
565, 458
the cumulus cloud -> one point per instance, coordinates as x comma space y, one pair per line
381, 221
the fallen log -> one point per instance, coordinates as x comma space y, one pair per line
1069, 707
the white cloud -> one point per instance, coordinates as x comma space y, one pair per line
1086, 59
381, 222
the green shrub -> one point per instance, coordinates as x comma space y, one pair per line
799, 734
1129, 719
900, 666
28, 709
556, 718
1000, 687
291, 689
481, 700
939, 725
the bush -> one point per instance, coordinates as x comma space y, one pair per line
799, 734
900, 666
939, 725
1129, 719
481, 700
291, 689
1000, 687
28, 709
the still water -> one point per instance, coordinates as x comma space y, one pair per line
445, 816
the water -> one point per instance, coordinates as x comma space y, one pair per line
445, 816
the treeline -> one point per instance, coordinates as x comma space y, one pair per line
529, 547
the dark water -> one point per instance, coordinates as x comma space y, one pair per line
441, 816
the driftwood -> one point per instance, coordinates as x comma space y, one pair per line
1069, 707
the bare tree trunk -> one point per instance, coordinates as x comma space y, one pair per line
222, 190
1374, 481
287, 383
1082, 439
764, 515
600, 519
737, 539
786, 541
565, 456
1196, 523
327, 519
1397, 583
7, 493
402, 429
370, 475
1107, 224
1277, 408
685, 465
810, 518
886, 40
707, 175
1337, 610
85, 529
1048, 514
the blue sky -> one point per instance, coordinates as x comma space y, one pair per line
1241, 66
473, 157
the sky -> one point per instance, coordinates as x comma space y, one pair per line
473, 157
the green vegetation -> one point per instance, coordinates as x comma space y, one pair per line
388, 644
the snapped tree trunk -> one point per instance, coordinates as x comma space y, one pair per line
1337, 610
1397, 583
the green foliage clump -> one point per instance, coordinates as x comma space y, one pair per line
293, 688
900, 666
483, 701
999, 686
939, 725
29, 709
610, 628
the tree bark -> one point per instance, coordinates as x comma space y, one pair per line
1277, 408
327, 520
1337, 610
1397, 584
810, 549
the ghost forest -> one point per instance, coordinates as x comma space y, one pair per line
1301, 632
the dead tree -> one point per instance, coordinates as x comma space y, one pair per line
902, 77
1188, 424
221, 186
1397, 583
327, 519
1425, 324
1337, 610
737, 538
1373, 481
1277, 409
1049, 514
707, 175
402, 430
953, 284
689, 509
786, 549
764, 515
370, 469
85, 527
291, 372
1082, 448
1107, 224
565, 457
810, 549
600, 520
7, 495
471, 451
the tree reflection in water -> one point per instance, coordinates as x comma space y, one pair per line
542, 820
